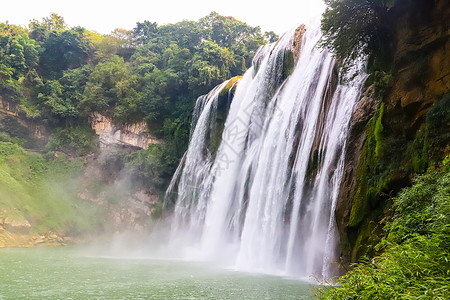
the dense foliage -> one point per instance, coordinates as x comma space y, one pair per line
415, 262
355, 29
59, 76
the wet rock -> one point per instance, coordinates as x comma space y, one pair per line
421, 57
364, 111
297, 43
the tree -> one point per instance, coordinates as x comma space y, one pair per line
18, 52
53, 104
144, 32
271, 36
64, 50
40, 30
18, 57
355, 28
54, 22
186, 34
10, 29
125, 42
157, 88
111, 91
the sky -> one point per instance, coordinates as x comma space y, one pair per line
103, 16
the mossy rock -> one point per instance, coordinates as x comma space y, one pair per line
368, 235
370, 176
389, 158
226, 96
224, 100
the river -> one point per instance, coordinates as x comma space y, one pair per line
71, 273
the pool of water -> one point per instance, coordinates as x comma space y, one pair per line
66, 273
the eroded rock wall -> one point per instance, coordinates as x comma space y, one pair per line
386, 128
134, 135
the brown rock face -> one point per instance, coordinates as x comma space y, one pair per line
297, 44
420, 77
11, 110
16, 226
134, 135
422, 56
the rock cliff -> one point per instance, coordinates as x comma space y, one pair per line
392, 134
133, 135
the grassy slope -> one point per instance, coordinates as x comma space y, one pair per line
42, 193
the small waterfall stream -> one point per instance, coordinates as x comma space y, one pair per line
264, 199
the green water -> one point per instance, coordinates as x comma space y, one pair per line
63, 273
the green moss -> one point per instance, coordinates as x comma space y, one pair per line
446, 163
388, 158
369, 234
231, 85
418, 150
359, 205
371, 177
378, 133
381, 80
223, 105
431, 140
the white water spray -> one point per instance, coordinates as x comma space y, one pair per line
264, 200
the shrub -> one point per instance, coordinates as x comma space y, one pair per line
415, 262
78, 140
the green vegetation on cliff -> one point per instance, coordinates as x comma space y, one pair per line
40, 196
405, 137
414, 263
354, 29
59, 76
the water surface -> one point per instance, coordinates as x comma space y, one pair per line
65, 273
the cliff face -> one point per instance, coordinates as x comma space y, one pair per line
104, 182
107, 183
392, 136
19, 127
128, 208
421, 58
134, 135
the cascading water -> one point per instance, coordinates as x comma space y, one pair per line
264, 199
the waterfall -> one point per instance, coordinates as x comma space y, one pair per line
263, 199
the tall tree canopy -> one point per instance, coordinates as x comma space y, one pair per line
61, 75
355, 28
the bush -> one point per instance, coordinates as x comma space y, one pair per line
78, 140
417, 269
415, 262
149, 168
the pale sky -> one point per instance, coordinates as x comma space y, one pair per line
104, 16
